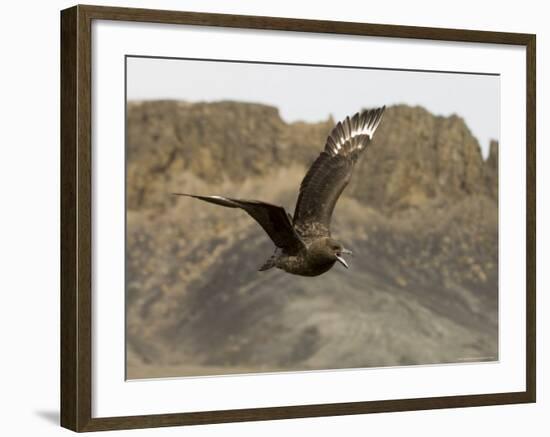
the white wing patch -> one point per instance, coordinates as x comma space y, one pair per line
353, 134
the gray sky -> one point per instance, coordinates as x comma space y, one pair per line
313, 93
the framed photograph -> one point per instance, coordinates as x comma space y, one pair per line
268, 218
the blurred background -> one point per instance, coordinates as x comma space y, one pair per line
420, 213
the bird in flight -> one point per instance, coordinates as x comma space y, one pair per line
304, 245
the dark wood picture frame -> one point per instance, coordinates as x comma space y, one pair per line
76, 218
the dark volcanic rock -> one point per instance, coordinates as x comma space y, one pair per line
491, 170
421, 214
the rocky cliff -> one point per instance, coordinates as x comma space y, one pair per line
420, 212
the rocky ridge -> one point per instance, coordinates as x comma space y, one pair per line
421, 211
